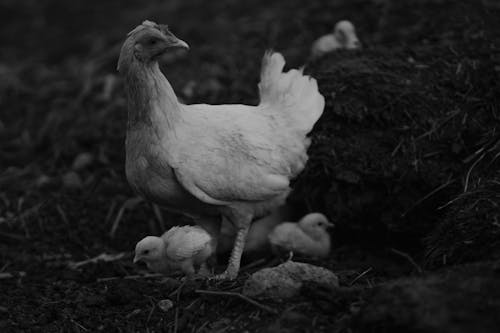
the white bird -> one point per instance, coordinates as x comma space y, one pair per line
343, 37
210, 162
308, 237
180, 248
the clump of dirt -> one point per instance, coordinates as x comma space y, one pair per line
453, 300
401, 129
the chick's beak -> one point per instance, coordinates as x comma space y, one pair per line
330, 225
136, 259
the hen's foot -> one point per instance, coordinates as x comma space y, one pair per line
227, 275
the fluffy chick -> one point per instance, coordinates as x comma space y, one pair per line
343, 37
308, 237
180, 248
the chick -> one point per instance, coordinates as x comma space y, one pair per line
308, 237
180, 248
343, 37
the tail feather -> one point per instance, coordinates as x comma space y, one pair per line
291, 94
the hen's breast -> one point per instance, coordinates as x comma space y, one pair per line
150, 175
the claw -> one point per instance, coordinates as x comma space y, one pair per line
233, 266
226, 276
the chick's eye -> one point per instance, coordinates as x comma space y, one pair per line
152, 41
145, 251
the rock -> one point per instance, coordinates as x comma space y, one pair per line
284, 281
43, 181
82, 161
71, 180
165, 304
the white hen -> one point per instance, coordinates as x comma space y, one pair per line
307, 237
213, 161
343, 37
180, 248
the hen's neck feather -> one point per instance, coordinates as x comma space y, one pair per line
151, 98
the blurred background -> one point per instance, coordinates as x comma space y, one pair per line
63, 115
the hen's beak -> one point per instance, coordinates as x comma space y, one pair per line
181, 44
177, 43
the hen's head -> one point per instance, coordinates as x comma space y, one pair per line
315, 225
345, 33
149, 249
146, 43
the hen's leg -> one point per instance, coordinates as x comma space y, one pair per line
233, 266
241, 218
204, 271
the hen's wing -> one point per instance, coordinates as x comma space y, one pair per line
223, 165
185, 242
228, 153
231, 181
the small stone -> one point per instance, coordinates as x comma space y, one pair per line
43, 181
82, 161
71, 180
165, 305
285, 281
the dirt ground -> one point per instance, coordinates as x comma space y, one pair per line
404, 160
